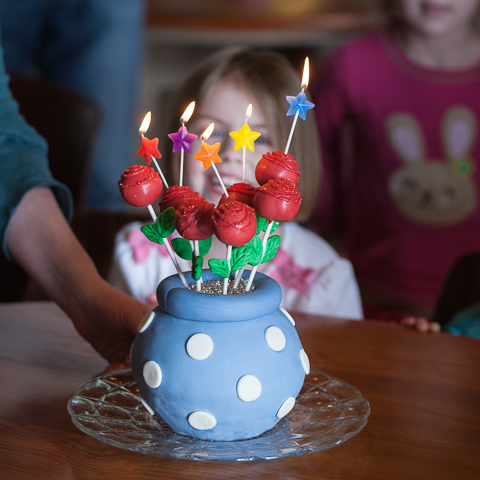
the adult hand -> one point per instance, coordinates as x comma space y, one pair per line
41, 241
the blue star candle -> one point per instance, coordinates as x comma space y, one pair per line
299, 104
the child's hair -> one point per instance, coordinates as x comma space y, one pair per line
269, 77
388, 7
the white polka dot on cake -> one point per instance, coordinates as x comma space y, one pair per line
275, 339
292, 321
287, 405
152, 374
145, 321
249, 388
305, 361
199, 346
201, 420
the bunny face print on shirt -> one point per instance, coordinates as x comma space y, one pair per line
434, 191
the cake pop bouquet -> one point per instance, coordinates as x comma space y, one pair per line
312, 276
218, 358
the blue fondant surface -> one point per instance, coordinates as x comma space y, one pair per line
239, 348
175, 299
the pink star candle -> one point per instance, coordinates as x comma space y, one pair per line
149, 148
182, 140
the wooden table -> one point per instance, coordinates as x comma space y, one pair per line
424, 392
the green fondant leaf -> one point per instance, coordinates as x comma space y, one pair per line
219, 267
204, 246
182, 248
261, 223
150, 231
274, 227
165, 224
197, 266
256, 244
240, 257
272, 247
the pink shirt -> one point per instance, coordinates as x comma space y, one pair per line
406, 196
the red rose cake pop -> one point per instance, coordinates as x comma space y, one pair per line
276, 165
140, 185
278, 200
175, 196
241, 192
193, 219
235, 223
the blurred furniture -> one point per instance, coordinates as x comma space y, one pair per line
461, 288
69, 122
423, 389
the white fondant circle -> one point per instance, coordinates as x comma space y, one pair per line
305, 361
287, 405
145, 321
292, 321
199, 346
249, 388
275, 338
152, 374
201, 420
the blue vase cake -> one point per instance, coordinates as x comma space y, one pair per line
219, 367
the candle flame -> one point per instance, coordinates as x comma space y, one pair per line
305, 74
249, 112
188, 113
208, 131
146, 123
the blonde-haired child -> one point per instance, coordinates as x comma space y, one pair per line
313, 277
406, 196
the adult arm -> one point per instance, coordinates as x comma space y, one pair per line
41, 241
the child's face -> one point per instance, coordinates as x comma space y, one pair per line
437, 17
226, 106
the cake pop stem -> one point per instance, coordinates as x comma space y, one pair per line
225, 280
182, 155
243, 164
238, 276
197, 254
169, 250
291, 132
159, 170
264, 247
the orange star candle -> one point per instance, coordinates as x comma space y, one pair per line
208, 154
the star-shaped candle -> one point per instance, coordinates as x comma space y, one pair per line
209, 154
149, 148
245, 138
182, 140
299, 104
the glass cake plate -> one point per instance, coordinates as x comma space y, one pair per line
328, 412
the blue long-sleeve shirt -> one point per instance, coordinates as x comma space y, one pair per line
23, 160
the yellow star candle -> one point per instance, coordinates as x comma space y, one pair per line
208, 154
149, 147
245, 138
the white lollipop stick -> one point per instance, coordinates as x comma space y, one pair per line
170, 251
159, 170
264, 247
225, 280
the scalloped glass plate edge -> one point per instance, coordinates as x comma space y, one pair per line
327, 413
